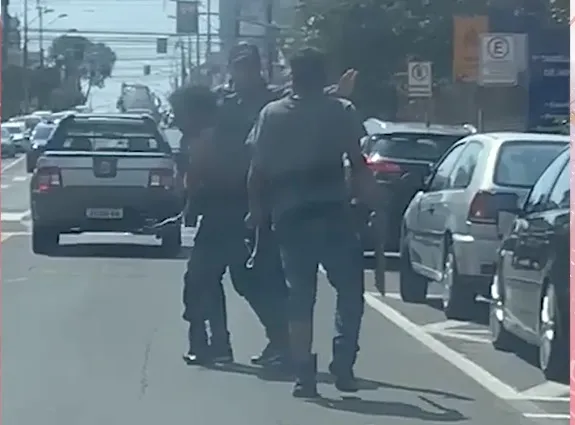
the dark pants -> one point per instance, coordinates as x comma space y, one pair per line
220, 244
324, 234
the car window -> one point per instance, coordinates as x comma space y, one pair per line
443, 170
109, 142
560, 195
42, 132
521, 163
421, 147
5, 134
12, 129
465, 166
538, 197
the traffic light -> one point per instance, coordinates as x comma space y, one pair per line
147, 69
162, 46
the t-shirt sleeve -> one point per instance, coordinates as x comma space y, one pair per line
259, 139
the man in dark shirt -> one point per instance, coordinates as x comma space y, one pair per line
220, 242
298, 145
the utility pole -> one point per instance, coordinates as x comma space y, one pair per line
25, 60
6, 31
183, 62
40, 32
209, 30
270, 38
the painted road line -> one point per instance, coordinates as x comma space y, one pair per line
20, 178
4, 236
14, 216
480, 375
5, 186
546, 392
13, 163
556, 416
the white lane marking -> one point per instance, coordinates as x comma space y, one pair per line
492, 384
14, 216
20, 179
560, 416
4, 236
5, 186
547, 391
13, 163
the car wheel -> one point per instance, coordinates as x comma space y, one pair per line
412, 286
553, 344
501, 338
44, 240
172, 239
458, 298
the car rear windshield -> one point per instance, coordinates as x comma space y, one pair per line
13, 129
42, 132
520, 164
110, 136
418, 147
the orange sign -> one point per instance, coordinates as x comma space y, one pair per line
466, 30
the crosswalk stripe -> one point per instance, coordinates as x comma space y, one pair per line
14, 216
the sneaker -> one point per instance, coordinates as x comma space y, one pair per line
195, 359
270, 356
305, 389
345, 381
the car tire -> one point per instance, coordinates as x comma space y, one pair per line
45, 240
172, 239
501, 338
458, 297
412, 286
553, 343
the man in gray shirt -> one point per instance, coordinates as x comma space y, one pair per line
296, 174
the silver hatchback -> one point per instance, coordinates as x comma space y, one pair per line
449, 231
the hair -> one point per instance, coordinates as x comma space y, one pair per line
198, 100
308, 70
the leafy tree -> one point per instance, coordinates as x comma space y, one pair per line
89, 61
379, 37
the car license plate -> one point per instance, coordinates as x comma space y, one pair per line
105, 213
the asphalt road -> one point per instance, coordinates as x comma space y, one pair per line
94, 336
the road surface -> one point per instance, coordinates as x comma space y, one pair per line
94, 336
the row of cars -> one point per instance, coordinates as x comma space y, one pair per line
482, 214
28, 134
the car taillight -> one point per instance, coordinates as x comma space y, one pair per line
483, 209
163, 177
379, 164
48, 178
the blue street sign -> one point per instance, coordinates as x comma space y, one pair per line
548, 79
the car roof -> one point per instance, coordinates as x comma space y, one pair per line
13, 124
375, 126
502, 137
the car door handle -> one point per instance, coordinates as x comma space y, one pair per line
430, 210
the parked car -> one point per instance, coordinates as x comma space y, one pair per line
449, 230
42, 114
8, 148
39, 138
530, 289
400, 156
20, 137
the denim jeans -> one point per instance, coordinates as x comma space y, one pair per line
325, 235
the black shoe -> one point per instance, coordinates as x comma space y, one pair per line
344, 379
306, 384
196, 359
270, 356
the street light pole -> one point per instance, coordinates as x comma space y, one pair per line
25, 59
40, 32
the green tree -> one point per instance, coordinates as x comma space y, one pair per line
84, 59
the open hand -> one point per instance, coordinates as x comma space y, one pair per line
346, 83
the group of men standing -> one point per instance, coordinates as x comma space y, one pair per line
266, 174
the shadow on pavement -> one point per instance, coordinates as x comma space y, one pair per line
117, 251
277, 375
480, 314
392, 408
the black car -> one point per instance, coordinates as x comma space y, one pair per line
530, 289
401, 155
39, 138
